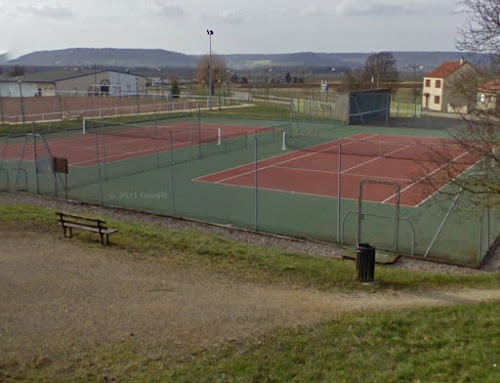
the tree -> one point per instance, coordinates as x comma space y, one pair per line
17, 71
380, 69
218, 68
481, 30
477, 134
176, 90
354, 80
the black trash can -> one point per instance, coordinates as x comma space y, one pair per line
365, 262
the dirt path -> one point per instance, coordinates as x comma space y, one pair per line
57, 295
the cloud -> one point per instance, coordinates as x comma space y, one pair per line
48, 10
231, 17
378, 9
166, 9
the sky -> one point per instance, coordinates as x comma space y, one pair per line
252, 26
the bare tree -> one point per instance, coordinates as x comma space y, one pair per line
476, 136
481, 30
216, 64
381, 70
354, 80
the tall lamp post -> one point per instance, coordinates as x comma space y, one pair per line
414, 67
210, 34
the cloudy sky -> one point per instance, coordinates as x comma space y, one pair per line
252, 26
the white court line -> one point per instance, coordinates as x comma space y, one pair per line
336, 173
283, 162
424, 177
442, 187
110, 158
375, 159
276, 156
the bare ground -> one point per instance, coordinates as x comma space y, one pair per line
58, 296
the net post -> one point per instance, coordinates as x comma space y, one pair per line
171, 171
84, 126
219, 136
283, 147
339, 194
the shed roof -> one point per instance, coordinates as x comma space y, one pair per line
492, 86
60, 74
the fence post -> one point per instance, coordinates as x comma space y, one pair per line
35, 154
256, 183
98, 166
171, 149
156, 142
339, 193
104, 157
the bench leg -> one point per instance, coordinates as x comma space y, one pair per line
66, 232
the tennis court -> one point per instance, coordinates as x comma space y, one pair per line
405, 161
275, 176
131, 141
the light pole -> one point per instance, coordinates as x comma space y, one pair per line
414, 67
210, 34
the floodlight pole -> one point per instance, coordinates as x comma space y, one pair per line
210, 34
414, 67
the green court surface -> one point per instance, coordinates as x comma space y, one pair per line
164, 182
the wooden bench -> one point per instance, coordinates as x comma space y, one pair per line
70, 222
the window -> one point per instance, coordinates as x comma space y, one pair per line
437, 99
438, 83
427, 83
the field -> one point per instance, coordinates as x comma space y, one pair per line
240, 172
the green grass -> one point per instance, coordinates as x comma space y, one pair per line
254, 263
452, 344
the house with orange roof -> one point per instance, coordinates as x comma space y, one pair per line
488, 95
440, 87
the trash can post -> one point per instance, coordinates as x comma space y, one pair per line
365, 262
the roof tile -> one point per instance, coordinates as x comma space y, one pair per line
445, 69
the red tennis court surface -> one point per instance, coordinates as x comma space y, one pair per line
315, 170
129, 143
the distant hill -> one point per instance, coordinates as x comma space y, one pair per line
110, 57
106, 57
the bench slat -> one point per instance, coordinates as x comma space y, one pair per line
68, 222
80, 217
